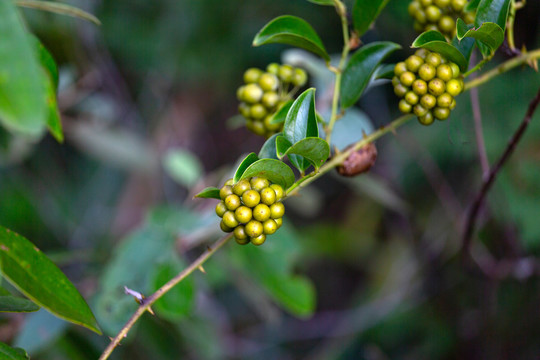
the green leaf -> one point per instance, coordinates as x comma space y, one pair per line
490, 34
248, 160
30, 271
46, 60
62, 9
313, 149
23, 84
183, 166
291, 30
323, 2
301, 122
495, 11
274, 170
268, 150
282, 145
54, 123
360, 68
435, 41
465, 47
281, 114
209, 193
9, 353
384, 71
472, 5
16, 304
365, 12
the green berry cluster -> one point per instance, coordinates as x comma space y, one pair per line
427, 84
251, 208
264, 92
439, 15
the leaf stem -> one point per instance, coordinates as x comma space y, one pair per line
478, 66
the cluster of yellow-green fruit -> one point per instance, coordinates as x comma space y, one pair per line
439, 15
251, 209
427, 84
264, 92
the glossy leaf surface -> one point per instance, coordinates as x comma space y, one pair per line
313, 149
248, 160
268, 150
435, 41
495, 11
209, 193
490, 34
274, 170
365, 12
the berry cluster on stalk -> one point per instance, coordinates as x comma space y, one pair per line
439, 15
427, 84
264, 92
251, 209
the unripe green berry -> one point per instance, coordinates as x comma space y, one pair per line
286, 73
436, 87
259, 183
400, 68
257, 111
229, 182
240, 92
269, 227
230, 220
419, 110
268, 196
427, 119
419, 86
244, 109
259, 240
240, 232
221, 209
422, 53
444, 100
413, 7
257, 127
225, 191
279, 191
411, 98
224, 227
299, 77
458, 5
240, 187
453, 104
407, 78
252, 75
441, 3
252, 93
433, 13
271, 126
251, 198
261, 212
404, 106
455, 70
243, 241
426, 3
433, 59
446, 24
243, 214
427, 72
268, 82
469, 17
420, 16
441, 113
279, 222
454, 87
277, 210
445, 72
395, 81
273, 68
400, 90
413, 63
270, 99
428, 101
253, 228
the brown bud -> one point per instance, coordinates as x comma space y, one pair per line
359, 161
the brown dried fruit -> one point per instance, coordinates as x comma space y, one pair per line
359, 161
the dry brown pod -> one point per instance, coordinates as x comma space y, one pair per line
359, 161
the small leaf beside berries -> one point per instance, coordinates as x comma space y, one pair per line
248, 160
209, 193
274, 170
434, 41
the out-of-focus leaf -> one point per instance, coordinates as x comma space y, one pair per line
282, 145
248, 160
313, 149
495, 11
384, 71
23, 84
360, 68
291, 30
490, 34
365, 12
9, 353
184, 167
274, 170
472, 5
351, 128
435, 41
58, 8
39, 330
281, 114
323, 2
47, 61
30, 271
16, 304
54, 124
268, 150
209, 193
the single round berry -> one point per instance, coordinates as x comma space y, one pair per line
436, 87
253, 228
273, 68
422, 53
240, 187
427, 72
445, 72
454, 87
404, 106
421, 17
221, 209
244, 109
225, 191
407, 78
426, 119
428, 101
268, 196
270, 99
240, 233
259, 240
444, 100
411, 98
400, 68
224, 227
458, 5
243, 214
279, 222
299, 78
232, 202
426, 3
268, 82
269, 227
252, 75
413, 8
252, 93
261, 212
446, 24
279, 191
413, 63
259, 183
270, 126
455, 70
419, 110
400, 90
229, 182
277, 210
286, 73
433, 13
244, 241
441, 113
441, 3
251, 198
230, 220
257, 111
257, 127
433, 59
453, 104
419, 87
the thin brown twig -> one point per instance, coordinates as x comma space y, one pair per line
488, 182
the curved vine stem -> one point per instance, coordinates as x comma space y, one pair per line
301, 183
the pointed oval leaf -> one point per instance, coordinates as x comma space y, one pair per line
432, 41
281, 114
465, 47
271, 169
248, 160
268, 150
282, 145
23, 90
38, 278
313, 149
16, 304
209, 193
495, 11
54, 123
291, 30
361, 67
365, 12
490, 34
46, 60
9, 353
